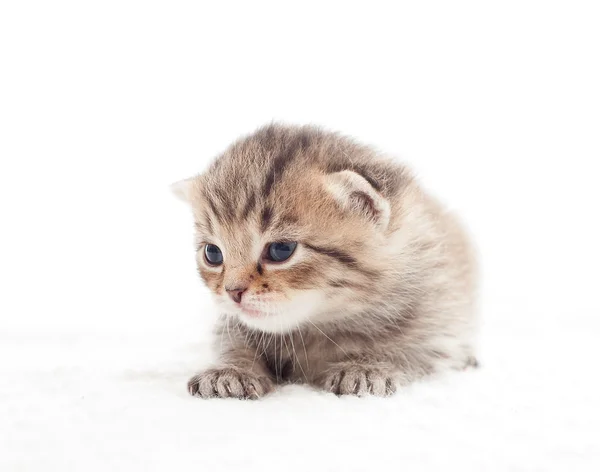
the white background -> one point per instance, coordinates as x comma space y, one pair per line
496, 105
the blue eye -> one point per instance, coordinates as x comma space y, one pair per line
213, 255
279, 252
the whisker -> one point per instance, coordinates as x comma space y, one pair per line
222, 332
281, 349
256, 352
298, 360
341, 349
288, 351
275, 355
228, 333
303, 345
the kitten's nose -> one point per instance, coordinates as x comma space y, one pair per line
236, 293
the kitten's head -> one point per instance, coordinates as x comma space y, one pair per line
292, 226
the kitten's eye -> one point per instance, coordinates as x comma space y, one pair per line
279, 252
213, 255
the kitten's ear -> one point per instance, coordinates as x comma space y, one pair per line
183, 189
355, 194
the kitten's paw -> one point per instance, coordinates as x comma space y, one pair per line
359, 380
229, 382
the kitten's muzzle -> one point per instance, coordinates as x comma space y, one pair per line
236, 293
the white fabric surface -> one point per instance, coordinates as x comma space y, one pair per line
108, 403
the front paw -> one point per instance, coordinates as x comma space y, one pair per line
229, 382
359, 380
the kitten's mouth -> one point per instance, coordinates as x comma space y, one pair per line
252, 312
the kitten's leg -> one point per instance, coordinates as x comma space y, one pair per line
240, 373
358, 378
237, 376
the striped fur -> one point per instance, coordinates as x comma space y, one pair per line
380, 290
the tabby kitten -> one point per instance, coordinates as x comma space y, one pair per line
329, 265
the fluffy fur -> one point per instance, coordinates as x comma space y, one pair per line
379, 291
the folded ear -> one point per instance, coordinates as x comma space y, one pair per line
184, 189
356, 195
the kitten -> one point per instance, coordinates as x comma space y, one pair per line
329, 265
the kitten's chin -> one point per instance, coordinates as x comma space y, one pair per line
285, 316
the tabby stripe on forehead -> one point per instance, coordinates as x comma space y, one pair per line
204, 227
280, 162
265, 218
249, 206
227, 205
209, 225
213, 208
288, 219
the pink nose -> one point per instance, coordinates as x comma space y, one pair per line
236, 294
